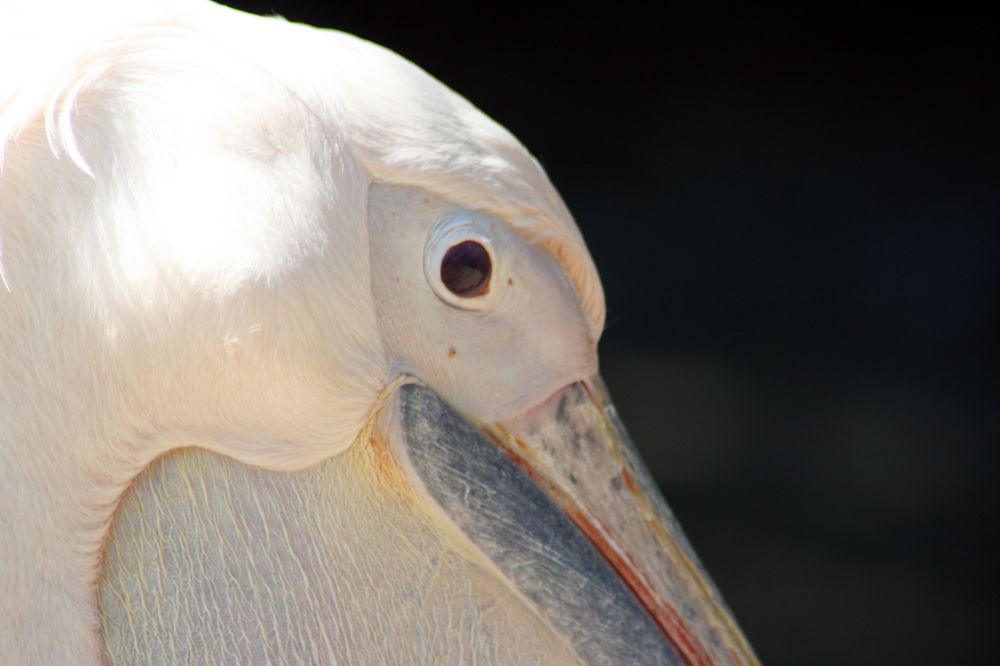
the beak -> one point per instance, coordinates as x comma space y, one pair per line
575, 447
572, 518
430, 540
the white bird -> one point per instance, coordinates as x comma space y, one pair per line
298, 365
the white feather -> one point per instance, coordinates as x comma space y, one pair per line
183, 198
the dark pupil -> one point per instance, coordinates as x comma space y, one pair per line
465, 269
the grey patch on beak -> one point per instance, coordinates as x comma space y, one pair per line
512, 521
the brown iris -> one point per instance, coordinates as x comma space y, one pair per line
465, 269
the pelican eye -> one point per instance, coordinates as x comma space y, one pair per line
460, 260
466, 269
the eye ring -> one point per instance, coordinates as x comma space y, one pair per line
460, 262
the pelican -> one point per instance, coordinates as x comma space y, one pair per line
298, 365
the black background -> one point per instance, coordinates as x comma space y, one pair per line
797, 221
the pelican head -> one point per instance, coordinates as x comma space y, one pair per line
298, 365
